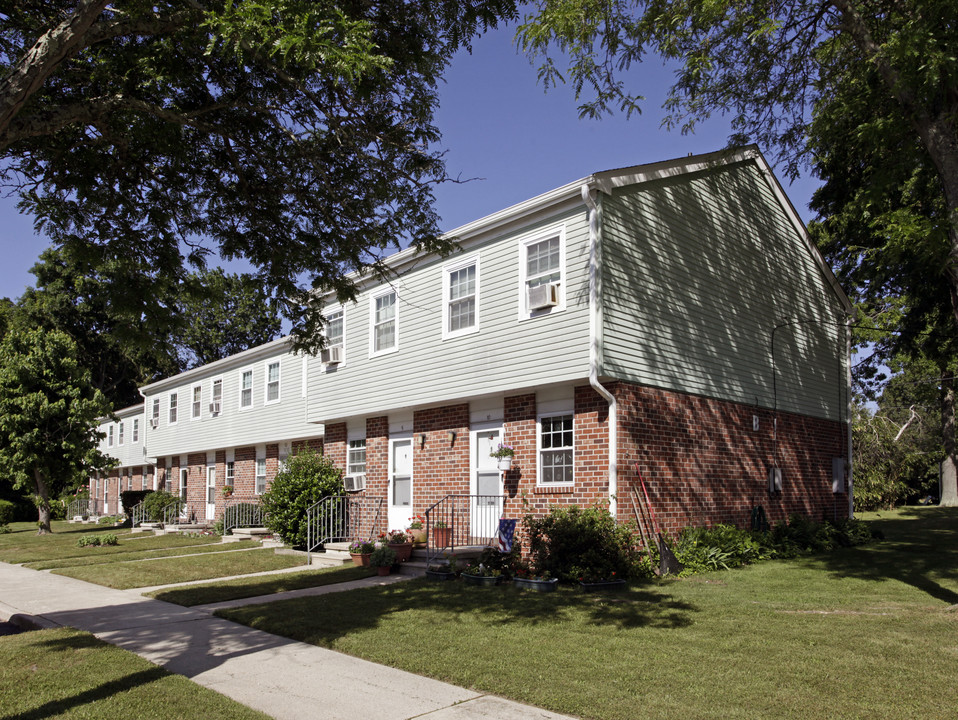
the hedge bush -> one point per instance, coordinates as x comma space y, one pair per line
98, 540
157, 502
7, 512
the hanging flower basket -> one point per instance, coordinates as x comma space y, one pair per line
505, 463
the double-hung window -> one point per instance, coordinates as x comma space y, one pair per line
109, 436
461, 298
136, 430
119, 434
230, 473
216, 396
555, 450
272, 382
196, 408
260, 475
334, 329
384, 311
246, 388
356, 457
542, 274
184, 477
173, 403
155, 421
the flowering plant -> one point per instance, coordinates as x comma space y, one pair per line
383, 556
417, 522
396, 536
479, 569
503, 451
361, 547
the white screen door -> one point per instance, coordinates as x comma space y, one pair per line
400, 483
210, 491
486, 483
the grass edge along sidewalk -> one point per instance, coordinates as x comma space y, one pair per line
860, 632
68, 673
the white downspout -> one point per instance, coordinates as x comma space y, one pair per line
848, 379
595, 341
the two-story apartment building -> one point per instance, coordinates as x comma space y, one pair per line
671, 319
123, 439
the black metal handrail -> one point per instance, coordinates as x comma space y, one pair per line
458, 521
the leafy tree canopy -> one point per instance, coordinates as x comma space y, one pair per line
292, 133
48, 411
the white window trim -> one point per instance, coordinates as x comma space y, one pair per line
155, 413
196, 406
169, 408
365, 450
109, 435
135, 432
182, 491
372, 322
448, 270
257, 476
539, 419
524, 243
120, 433
213, 381
279, 381
252, 387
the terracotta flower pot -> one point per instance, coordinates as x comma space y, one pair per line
360, 559
384, 569
441, 537
403, 550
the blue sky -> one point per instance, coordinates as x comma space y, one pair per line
502, 129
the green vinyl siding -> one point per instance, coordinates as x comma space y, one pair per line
697, 271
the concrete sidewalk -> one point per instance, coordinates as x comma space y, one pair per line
281, 677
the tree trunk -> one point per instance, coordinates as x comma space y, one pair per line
949, 476
43, 504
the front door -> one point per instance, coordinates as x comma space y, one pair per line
400, 483
486, 484
210, 492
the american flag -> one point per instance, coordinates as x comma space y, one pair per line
507, 531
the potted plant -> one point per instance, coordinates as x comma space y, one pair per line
443, 571
399, 541
527, 579
504, 454
479, 574
359, 551
441, 534
227, 490
417, 530
597, 579
383, 558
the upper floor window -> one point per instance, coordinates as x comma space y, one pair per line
155, 422
385, 323
542, 274
356, 457
334, 329
136, 430
196, 408
109, 436
216, 396
173, 403
460, 298
246, 388
272, 382
556, 450
119, 434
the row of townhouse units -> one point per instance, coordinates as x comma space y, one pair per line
669, 321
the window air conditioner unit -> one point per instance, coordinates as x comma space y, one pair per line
214, 408
332, 355
543, 296
354, 483
154, 423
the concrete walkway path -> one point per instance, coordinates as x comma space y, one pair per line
283, 678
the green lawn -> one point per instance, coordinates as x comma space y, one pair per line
66, 673
865, 632
266, 585
166, 571
96, 556
23, 545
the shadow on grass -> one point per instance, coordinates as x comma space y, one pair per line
920, 548
322, 621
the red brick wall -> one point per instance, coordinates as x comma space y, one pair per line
244, 469
440, 467
704, 464
334, 444
519, 432
377, 456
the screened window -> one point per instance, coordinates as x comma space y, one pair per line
334, 329
216, 396
197, 402
272, 382
461, 286
555, 450
109, 436
246, 389
356, 457
260, 476
136, 430
173, 403
119, 434
156, 412
384, 323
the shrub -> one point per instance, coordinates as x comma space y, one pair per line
720, 548
573, 543
7, 510
382, 556
98, 540
132, 498
307, 478
157, 502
